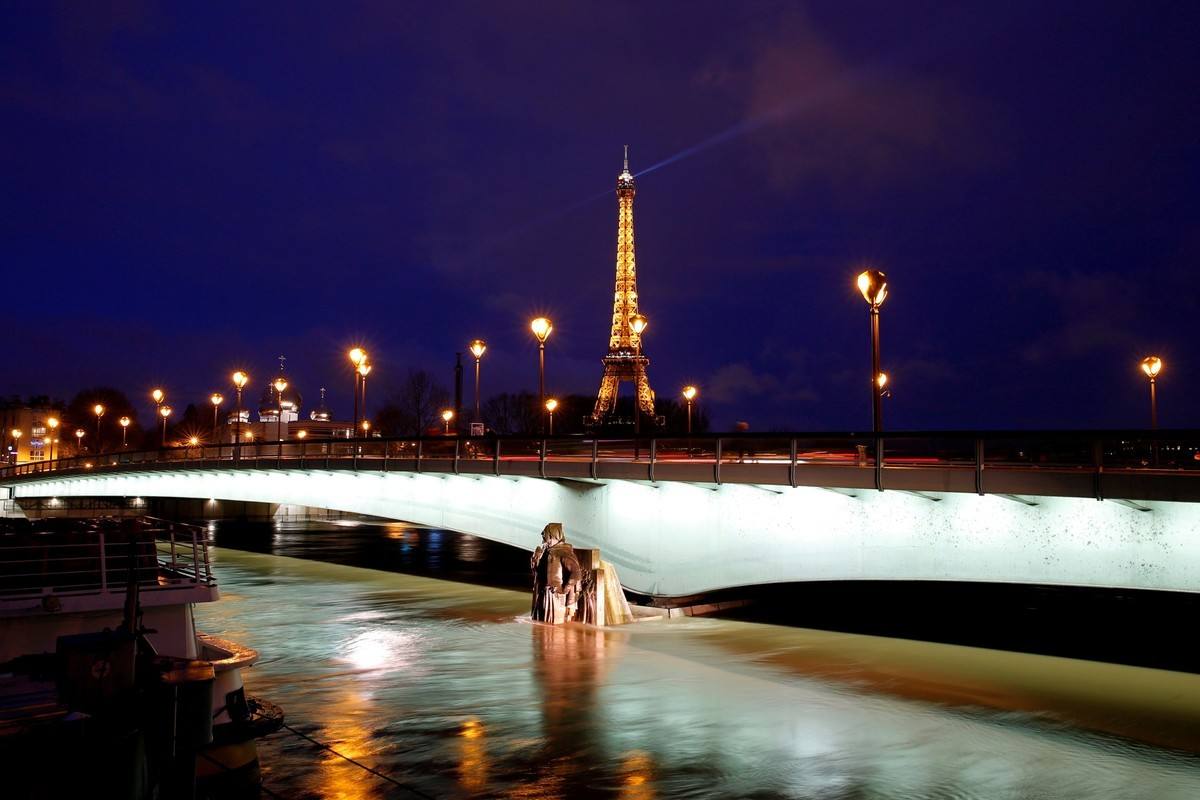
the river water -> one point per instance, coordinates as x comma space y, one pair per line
446, 688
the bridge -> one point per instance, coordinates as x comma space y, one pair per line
686, 515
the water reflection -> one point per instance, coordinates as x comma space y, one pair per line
442, 685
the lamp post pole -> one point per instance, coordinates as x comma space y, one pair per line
876, 391
125, 431
239, 382
99, 411
541, 328
477, 348
874, 288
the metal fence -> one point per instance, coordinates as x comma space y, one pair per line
796, 459
104, 557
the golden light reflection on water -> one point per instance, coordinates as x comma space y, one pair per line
637, 776
472, 756
337, 778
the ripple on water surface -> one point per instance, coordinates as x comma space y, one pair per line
444, 687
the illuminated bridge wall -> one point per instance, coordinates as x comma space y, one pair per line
678, 538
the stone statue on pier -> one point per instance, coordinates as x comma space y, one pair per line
557, 577
572, 585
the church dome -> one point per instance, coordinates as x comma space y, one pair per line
321, 413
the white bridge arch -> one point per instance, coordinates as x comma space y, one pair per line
676, 538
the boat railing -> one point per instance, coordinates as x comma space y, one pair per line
103, 558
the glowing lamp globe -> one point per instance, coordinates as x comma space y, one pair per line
873, 285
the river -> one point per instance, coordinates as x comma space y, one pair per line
446, 688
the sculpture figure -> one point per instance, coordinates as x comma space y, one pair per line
557, 576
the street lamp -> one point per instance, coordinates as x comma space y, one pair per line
124, 430
164, 411
280, 384
52, 422
873, 285
364, 369
79, 434
302, 434
98, 410
16, 435
239, 382
216, 398
357, 357
689, 394
637, 324
366, 427
477, 348
541, 328
1152, 365
551, 406
447, 415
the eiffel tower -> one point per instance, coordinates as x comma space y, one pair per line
625, 361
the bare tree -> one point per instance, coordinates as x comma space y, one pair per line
415, 407
512, 413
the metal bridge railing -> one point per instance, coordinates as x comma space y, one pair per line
980, 458
157, 554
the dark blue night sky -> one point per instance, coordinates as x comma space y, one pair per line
191, 189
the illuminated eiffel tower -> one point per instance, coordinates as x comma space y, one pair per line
625, 361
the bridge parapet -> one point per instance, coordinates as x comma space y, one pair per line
1132, 465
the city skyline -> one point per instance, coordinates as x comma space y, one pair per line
1036, 219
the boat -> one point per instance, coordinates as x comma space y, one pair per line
105, 684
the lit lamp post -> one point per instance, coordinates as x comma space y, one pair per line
637, 324
157, 395
216, 398
477, 348
689, 394
164, 411
366, 427
1152, 365
98, 410
551, 407
239, 382
541, 328
280, 385
364, 369
124, 431
873, 285
79, 434
52, 422
16, 435
447, 415
358, 357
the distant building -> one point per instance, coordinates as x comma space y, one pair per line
280, 417
30, 419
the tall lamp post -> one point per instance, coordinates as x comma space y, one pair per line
239, 382
98, 410
541, 328
164, 411
358, 357
17, 433
637, 324
477, 348
1152, 365
216, 398
873, 285
124, 421
364, 369
280, 384
689, 394
52, 422
447, 415
551, 407
79, 434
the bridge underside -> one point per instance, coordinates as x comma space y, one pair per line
674, 539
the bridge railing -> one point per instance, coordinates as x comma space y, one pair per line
989, 461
